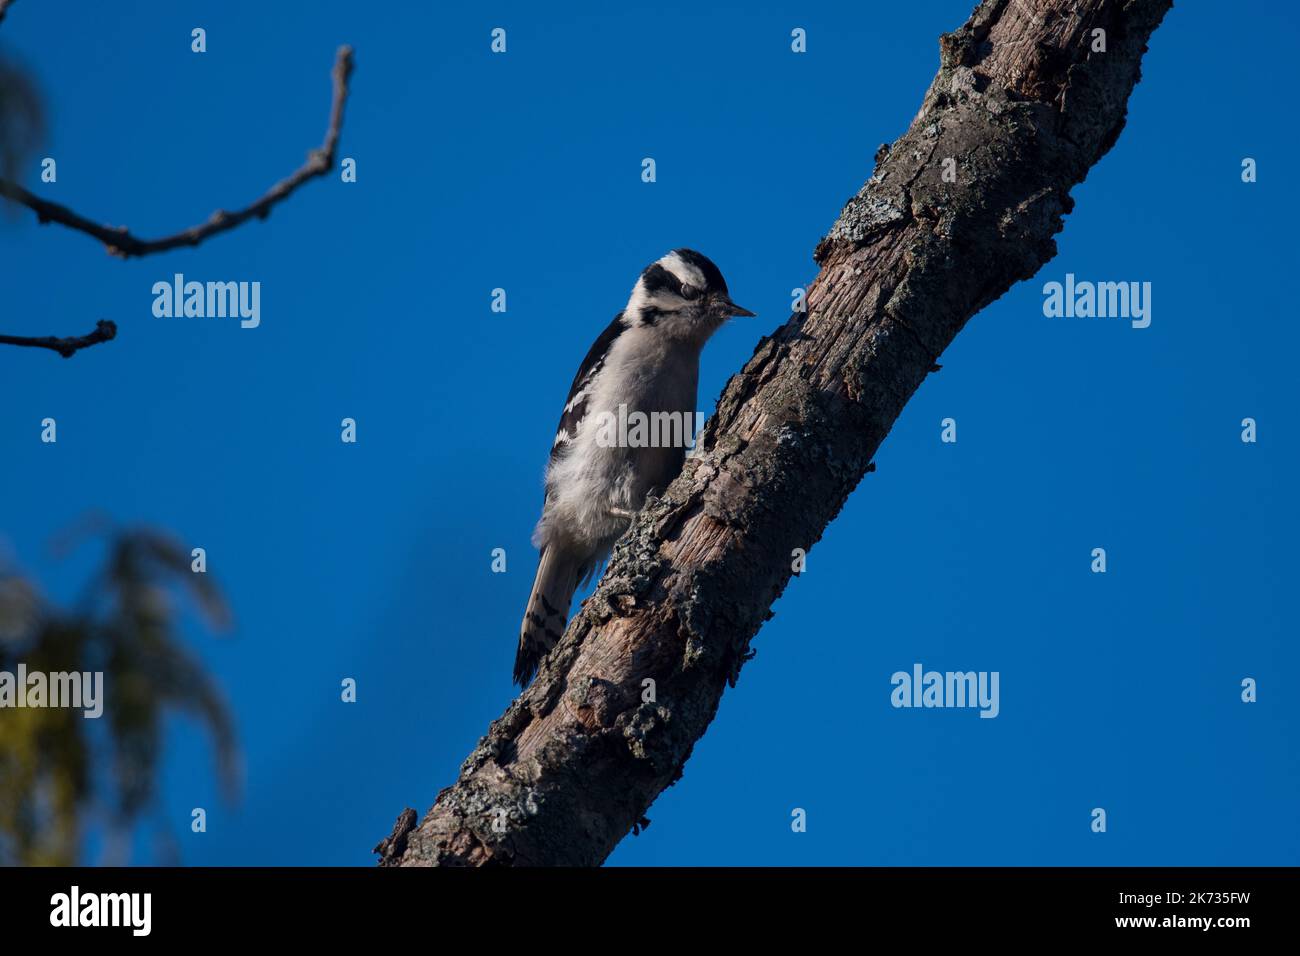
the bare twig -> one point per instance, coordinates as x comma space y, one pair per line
120, 242
66, 346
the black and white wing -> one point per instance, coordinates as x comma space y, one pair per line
575, 406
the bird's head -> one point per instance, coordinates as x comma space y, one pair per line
684, 295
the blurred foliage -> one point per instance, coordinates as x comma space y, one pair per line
22, 117
58, 769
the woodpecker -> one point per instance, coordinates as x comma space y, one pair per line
647, 360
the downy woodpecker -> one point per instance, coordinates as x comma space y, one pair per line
647, 361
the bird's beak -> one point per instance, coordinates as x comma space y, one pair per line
725, 307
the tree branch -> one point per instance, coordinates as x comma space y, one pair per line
4, 8
1025, 108
119, 240
68, 346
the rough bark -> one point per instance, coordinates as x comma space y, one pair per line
1025, 107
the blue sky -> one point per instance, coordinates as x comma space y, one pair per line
522, 171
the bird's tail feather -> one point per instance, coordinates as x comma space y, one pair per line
546, 612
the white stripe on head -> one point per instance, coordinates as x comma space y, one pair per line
684, 271
639, 300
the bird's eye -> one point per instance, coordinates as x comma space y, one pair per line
689, 291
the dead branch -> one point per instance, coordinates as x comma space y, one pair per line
119, 241
1024, 107
66, 346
